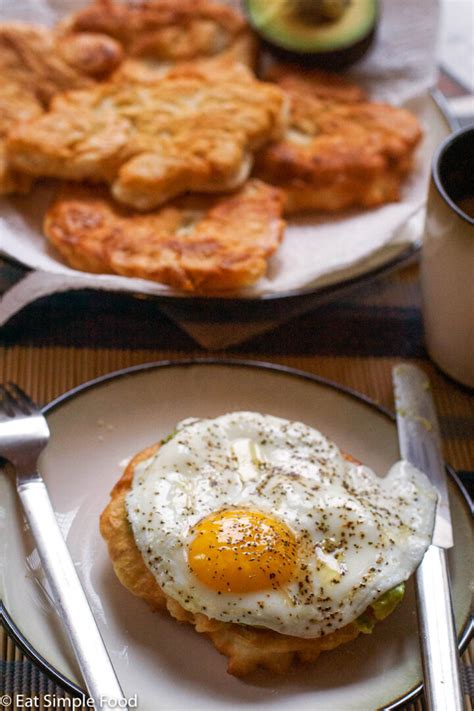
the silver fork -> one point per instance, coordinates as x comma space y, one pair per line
24, 433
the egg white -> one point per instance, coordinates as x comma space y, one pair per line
359, 534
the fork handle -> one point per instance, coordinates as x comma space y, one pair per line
96, 667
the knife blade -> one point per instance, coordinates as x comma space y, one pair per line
420, 441
420, 444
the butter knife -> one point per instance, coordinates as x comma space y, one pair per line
420, 444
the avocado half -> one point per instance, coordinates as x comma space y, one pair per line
300, 30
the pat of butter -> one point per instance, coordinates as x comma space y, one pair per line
329, 568
249, 457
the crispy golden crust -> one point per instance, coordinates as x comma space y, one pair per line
238, 60
339, 150
29, 57
166, 31
314, 84
198, 243
78, 223
34, 66
93, 55
43, 64
160, 36
153, 142
114, 527
15, 105
247, 649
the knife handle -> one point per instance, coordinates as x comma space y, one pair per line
438, 634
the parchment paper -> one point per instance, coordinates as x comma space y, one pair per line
399, 69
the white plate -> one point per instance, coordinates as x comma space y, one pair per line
170, 666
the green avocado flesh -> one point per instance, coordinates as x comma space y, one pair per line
170, 436
380, 609
283, 24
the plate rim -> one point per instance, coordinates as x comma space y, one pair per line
402, 258
74, 689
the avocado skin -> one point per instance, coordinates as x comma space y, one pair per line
329, 60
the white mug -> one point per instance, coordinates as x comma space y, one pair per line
447, 260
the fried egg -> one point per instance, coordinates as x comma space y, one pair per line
256, 520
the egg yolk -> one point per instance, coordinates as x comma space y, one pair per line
242, 551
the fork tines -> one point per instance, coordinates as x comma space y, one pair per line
15, 402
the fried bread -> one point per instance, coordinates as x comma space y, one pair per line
339, 150
165, 32
16, 105
236, 59
35, 65
197, 243
154, 142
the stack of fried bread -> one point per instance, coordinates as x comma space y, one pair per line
196, 156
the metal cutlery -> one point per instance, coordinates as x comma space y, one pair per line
24, 433
419, 438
